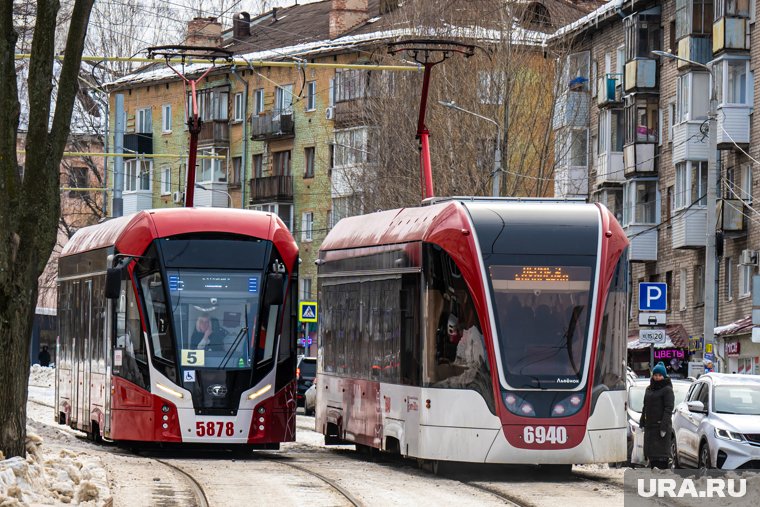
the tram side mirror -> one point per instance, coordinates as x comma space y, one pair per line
113, 283
274, 293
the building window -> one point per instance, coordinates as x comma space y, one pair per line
137, 175
351, 85
239, 108
692, 96
671, 120
640, 198
308, 157
682, 289
284, 211
166, 180
237, 168
641, 118
745, 280
307, 224
691, 184
166, 118
331, 93
258, 165
306, 294
258, 101
728, 276
732, 8
577, 71
213, 104
77, 180
143, 123
281, 163
699, 285
746, 184
491, 87
283, 99
350, 147
210, 168
611, 128
346, 206
734, 81
669, 204
311, 95
693, 17
642, 35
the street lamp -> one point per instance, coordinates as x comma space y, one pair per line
198, 185
496, 179
712, 202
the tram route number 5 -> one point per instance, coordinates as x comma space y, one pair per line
214, 428
545, 434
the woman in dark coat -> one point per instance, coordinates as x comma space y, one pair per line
656, 418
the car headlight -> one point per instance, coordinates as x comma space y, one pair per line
729, 435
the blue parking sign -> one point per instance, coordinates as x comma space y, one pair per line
653, 297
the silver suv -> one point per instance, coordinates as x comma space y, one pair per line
718, 425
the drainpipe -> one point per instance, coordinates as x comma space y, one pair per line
244, 165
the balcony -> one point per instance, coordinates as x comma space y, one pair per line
733, 125
271, 188
571, 181
273, 125
730, 33
688, 142
609, 91
640, 75
689, 228
136, 200
643, 243
214, 132
138, 143
215, 195
639, 159
571, 109
610, 169
698, 49
352, 113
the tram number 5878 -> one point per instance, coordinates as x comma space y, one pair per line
545, 434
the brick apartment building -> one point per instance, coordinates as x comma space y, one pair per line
631, 130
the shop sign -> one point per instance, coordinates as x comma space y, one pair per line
733, 348
663, 354
696, 343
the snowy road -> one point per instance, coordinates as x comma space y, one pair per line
307, 473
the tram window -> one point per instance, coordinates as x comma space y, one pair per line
610, 371
162, 344
129, 338
455, 353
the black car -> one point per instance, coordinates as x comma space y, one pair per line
306, 371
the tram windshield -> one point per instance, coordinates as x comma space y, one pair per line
214, 313
542, 315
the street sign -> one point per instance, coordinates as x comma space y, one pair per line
708, 348
653, 297
651, 319
307, 311
652, 335
709, 357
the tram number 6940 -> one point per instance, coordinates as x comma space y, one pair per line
214, 428
545, 434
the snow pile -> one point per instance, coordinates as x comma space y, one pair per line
45, 478
41, 376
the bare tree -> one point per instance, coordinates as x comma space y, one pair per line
30, 206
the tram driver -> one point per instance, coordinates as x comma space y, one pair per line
208, 333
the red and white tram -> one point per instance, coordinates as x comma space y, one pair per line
476, 330
176, 325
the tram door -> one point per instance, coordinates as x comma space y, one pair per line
84, 363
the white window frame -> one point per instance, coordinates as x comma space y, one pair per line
135, 175
721, 72
745, 188
331, 98
671, 120
682, 284
283, 99
729, 278
238, 112
258, 101
745, 280
351, 147
276, 208
686, 182
692, 104
578, 66
630, 202
307, 226
143, 121
311, 96
166, 180
305, 289
210, 170
166, 118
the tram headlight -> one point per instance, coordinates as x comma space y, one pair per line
569, 406
166, 417
519, 406
165, 426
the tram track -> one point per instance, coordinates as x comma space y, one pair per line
198, 491
333, 484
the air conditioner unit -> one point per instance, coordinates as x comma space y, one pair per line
748, 258
330, 113
178, 197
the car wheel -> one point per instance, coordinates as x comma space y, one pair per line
673, 453
704, 457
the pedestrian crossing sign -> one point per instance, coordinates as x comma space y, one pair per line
307, 311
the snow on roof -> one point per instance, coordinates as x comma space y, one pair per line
590, 18
740, 326
518, 35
